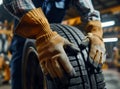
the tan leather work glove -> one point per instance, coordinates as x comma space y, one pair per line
97, 47
49, 44
52, 57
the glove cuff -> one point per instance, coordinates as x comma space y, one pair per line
33, 24
43, 39
95, 28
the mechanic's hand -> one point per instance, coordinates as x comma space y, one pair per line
97, 48
53, 59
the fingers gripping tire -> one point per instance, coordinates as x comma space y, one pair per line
87, 77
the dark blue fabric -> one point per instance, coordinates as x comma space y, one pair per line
53, 13
15, 65
16, 49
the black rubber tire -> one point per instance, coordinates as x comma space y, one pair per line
87, 77
32, 75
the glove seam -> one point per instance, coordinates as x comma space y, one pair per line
98, 36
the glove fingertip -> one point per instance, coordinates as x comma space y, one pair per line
72, 73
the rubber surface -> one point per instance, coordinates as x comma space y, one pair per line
87, 76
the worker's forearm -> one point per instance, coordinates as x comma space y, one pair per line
18, 7
34, 24
86, 10
32, 20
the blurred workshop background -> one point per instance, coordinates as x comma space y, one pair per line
110, 17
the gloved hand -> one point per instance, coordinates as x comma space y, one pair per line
97, 47
49, 44
52, 57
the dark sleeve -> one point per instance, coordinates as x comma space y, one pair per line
86, 10
18, 7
